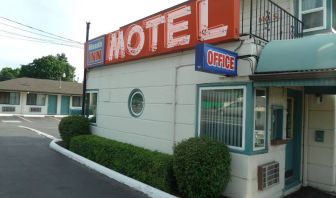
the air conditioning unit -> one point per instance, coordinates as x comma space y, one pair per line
8, 109
268, 175
35, 109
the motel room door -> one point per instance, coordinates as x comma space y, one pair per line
52, 104
293, 135
65, 105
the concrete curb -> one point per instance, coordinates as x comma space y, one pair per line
148, 190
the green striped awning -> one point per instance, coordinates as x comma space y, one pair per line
297, 82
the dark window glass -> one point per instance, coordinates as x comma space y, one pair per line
76, 101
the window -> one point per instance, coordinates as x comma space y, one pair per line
136, 103
277, 125
260, 119
222, 115
91, 106
290, 118
313, 14
76, 101
334, 16
36, 99
12, 98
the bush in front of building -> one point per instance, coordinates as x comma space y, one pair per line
72, 126
201, 167
151, 167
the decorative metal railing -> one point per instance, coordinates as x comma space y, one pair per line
267, 21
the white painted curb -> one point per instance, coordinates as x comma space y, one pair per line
148, 190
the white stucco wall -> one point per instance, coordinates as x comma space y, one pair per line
156, 78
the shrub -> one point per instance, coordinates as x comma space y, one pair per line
73, 126
150, 167
201, 167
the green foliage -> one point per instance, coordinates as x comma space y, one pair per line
72, 126
150, 167
8, 73
201, 167
49, 67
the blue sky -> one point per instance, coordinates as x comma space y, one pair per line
67, 18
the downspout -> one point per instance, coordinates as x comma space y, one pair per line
175, 99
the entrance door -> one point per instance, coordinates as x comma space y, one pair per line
52, 104
293, 135
65, 105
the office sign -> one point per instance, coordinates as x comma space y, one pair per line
95, 52
175, 29
215, 60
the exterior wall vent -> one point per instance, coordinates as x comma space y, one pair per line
35, 109
8, 109
268, 175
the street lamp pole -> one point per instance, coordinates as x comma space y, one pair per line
85, 69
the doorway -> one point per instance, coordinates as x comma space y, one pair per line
293, 136
65, 105
52, 104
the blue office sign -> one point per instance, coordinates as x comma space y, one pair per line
215, 60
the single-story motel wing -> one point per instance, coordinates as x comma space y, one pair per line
30, 96
263, 86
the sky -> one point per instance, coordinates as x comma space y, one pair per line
66, 18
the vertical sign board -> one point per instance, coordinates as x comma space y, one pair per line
175, 29
95, 52
215, 60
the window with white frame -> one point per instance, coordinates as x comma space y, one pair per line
260, 119
313, 14
91, 105
36, 99
11, 98
222, 114
76, 101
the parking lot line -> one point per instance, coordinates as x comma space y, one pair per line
11, 121
55, 118
40, 133
25, 119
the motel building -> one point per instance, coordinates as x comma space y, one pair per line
256, 75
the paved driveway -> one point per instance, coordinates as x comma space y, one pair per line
30, 169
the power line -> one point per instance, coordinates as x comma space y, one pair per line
39, 30
52, 37
40, 41
35, 38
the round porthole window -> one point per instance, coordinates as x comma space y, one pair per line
136, 103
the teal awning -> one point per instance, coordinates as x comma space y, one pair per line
311, 53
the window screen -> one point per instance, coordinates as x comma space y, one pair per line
221, 115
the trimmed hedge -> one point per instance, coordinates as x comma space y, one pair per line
201, 167
150, 167
72, 126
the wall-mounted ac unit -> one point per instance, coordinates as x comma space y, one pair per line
268, 175
35, 109
8, 109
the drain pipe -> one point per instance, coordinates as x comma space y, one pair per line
175, 99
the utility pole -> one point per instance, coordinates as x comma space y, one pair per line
85, 69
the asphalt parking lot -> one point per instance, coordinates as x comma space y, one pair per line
30, 169
47, 125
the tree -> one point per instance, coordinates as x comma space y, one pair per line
8, 73
49, 67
